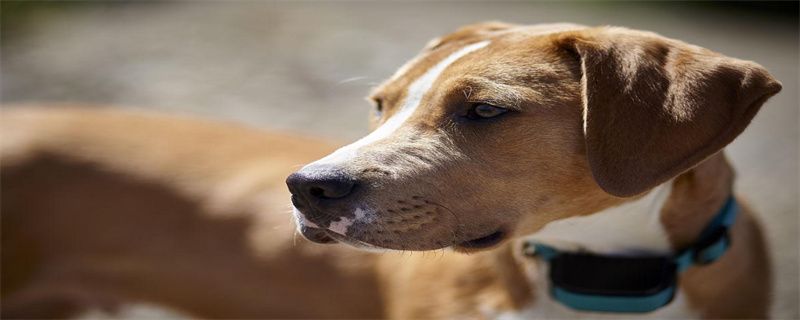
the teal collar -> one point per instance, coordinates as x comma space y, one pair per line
607, 283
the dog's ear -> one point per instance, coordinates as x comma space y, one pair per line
656, 107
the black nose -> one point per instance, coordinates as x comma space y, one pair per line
321, 185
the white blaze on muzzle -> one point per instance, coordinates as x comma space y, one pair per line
416, 91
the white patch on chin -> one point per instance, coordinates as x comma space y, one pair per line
416, 91
340, 226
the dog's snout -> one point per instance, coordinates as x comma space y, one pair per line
317, 185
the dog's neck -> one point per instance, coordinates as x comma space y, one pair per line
663, 221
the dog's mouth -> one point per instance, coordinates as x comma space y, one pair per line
324, 236
484, 242
317, 235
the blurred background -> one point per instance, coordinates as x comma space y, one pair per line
305, 66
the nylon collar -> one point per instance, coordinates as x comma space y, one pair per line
608, 283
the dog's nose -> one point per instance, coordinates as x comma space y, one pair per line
317, 185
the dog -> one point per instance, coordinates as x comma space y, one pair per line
600, 146
499, 144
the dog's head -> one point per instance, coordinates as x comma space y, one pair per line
496, 129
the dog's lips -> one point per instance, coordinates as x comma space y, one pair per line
325, 236
316, 235
356, 243
484, 242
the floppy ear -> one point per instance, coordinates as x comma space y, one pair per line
656, 107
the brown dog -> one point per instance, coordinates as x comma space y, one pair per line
498, 132
494, 136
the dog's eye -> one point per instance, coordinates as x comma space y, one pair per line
485, 111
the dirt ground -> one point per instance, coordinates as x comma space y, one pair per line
305, 66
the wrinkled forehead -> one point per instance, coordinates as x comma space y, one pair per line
423, 71
501, 48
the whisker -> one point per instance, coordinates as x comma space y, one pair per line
351, 79
458, 230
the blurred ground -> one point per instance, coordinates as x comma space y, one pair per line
305, 67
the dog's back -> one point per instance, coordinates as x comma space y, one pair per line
103, 208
